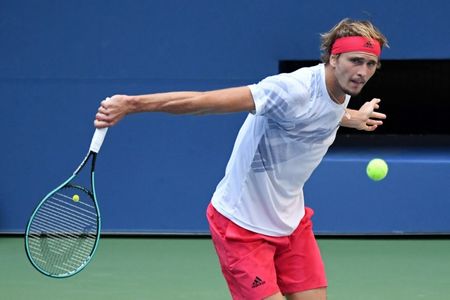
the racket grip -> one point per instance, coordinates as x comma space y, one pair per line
97, 139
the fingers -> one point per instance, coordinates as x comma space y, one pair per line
102, 120
374, 119
371, 128
375, 104
372, 122
102, 110
103, 117
375, 101
106, 103
377, 115
100, 124
99, 116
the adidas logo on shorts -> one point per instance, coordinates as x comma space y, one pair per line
257, 282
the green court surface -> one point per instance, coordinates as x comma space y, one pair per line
185, 268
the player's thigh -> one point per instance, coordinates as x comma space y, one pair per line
246, 259
300, 268
277, 296
315, 294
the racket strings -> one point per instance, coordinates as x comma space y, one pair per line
63, 232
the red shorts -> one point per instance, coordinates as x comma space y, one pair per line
257, 266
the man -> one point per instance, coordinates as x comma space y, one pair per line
259, 224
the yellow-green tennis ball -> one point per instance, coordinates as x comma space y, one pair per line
377, 169
76, 198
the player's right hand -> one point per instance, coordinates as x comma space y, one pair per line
111, 111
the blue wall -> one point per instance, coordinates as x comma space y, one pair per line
156, 173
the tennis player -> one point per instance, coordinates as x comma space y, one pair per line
259, 224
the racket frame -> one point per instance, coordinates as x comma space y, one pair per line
91, 154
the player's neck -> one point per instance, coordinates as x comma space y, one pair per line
334, 91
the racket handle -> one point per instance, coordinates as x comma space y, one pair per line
97, 139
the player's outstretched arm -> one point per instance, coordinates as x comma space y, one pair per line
212, 102
366, 118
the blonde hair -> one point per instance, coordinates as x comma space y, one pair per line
349, 27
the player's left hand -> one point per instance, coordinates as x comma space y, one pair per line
370, 118
366, 118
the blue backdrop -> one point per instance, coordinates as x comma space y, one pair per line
156, 173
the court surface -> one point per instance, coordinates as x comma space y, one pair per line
187, 268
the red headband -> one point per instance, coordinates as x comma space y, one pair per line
356, 43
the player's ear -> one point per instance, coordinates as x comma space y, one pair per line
333, 60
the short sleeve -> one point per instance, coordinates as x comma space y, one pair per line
282, 97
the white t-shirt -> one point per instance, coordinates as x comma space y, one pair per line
277, 149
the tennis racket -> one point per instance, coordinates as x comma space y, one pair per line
64, 229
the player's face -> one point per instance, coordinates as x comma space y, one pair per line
353, 69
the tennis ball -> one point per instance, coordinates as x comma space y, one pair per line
76, 198
377, 169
